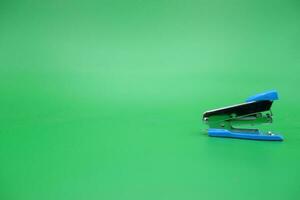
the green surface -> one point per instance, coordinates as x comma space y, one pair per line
103, 99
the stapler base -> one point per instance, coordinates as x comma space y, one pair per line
251, 135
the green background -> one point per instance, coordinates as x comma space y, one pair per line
104, 99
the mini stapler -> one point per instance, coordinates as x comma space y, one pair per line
224, 122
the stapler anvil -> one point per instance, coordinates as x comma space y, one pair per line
223, 122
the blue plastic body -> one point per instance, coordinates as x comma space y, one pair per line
243, 135
271, 95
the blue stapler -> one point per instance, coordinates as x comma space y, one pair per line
225, 122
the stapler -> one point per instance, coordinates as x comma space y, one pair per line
226, 121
